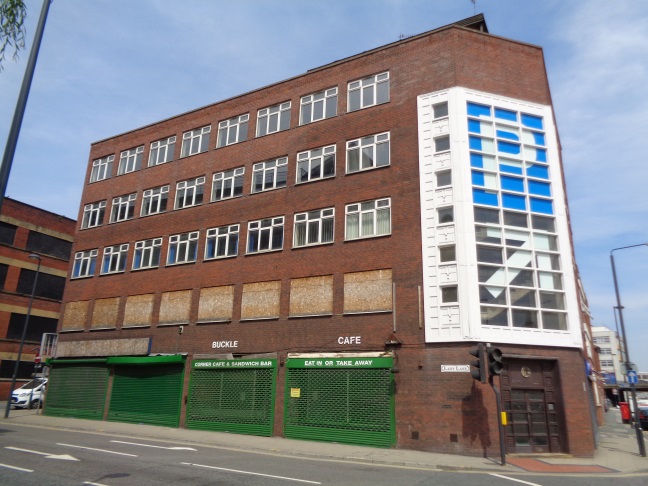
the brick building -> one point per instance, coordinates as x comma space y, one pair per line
316, 259
26, 230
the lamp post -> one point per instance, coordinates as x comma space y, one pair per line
633, 389
24, 334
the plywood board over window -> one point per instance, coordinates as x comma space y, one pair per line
75, 315
175, 307
216, 304
368, 291
105, 312
311, 296
260, 300
139, 310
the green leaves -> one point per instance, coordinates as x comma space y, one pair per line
12, 27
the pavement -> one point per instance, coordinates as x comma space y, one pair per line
618, 452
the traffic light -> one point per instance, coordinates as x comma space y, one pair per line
495, 358
478, 366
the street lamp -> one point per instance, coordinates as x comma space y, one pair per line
633, 389
24, 334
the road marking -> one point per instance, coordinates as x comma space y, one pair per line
251, 473
100, 450
516, 480
93, 484
47, 455
157, 447
16, 468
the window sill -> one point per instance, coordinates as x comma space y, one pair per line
366, 238
143, 326
71, 330
353, 313
252, 319
214, 321
102, 328
262, 252
301, 316
368, 169
172, 324
312, 245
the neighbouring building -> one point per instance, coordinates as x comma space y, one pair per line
26, 230
316, 258
611, 354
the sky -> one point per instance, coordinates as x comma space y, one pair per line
109, 66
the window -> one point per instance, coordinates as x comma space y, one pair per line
147, 254
605, 351
314, 227
222, 242
130, 160
370, 91
48, 286
228, 184
444, 178
265, 235
440, 110
102, 168
233, 130
162, 151
446, 215
195, 141
447, 254
49, 245
114, 259
183, 248
268, 175
367, 219
7, 233
449, 294
84, 263
318, 106
273, 119
154, 200
442, 144
123, 208
93, 214
368, 152
189, 193
316, 164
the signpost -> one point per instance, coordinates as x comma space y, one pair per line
632, 377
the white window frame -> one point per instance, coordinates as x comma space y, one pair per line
156, 199
93, 214
162, 151
123, 208
228, 183
266, 117
262, 227
195, 141
357, 211
236, 127
367, 149
324, 98
224, 234
313, 221
189, 193
130, 160
148, 253
186, 248
102, 168
273, 167
115, 257
306, 160
367, 89
85, 263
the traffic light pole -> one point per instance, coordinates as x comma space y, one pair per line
498, 400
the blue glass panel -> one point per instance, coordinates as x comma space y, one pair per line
539, 188
485, 197
508, 135
539, 171
532, 121
511, 201
512, 183
476, 160
507, 147
541, 206
541, 155
474, 126
510, 169
475, 143
505, 114
539, 138
478, 110
477, 178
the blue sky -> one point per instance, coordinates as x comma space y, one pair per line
109, 66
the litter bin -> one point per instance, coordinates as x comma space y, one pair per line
625, 412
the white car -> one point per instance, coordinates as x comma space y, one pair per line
28, 395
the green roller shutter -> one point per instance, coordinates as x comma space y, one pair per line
77, 389
343, 400
232, 396
147, 394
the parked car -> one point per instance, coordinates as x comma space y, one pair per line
643, 417
29, 395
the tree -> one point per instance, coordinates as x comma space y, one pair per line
12, 27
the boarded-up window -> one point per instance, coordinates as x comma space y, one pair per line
368, 291
216, 304
260, 300
175, 307
74, 316
139, 310
311, 296
105, 313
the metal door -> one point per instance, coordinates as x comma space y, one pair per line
533, 421
77, 390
